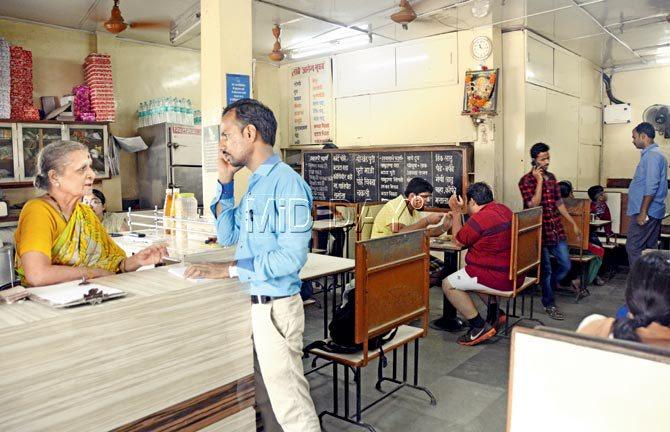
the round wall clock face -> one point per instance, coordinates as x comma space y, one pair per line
481, 47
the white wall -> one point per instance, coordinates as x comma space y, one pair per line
552, 96
400, 112
640, 88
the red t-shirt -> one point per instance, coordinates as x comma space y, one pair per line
488, 237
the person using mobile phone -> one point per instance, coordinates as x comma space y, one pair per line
539, 188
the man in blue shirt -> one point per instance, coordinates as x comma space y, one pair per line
646, 194
271, 227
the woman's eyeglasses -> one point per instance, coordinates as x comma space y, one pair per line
93, 203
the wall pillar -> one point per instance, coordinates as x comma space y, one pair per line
225, 35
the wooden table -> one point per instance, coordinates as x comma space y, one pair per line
451, 251
318, 268
163, 355
599, 223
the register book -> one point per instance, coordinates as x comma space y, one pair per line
73, 293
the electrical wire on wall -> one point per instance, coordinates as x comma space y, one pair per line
608, 89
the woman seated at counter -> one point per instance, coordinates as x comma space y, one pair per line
113, 222
59, 238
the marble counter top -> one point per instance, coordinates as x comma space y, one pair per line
105, 366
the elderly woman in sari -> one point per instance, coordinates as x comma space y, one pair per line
59, 238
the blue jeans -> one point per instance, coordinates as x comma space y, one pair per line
549, 275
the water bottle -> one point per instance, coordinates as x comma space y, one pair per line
189, 112
170, 110
152, 112
139, 115
143, 106
180, 111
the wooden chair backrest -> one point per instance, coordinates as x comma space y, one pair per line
580, 210
391, 284
599, 383
366, 219
526, 254
614, 203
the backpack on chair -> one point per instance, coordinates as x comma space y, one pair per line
342, 329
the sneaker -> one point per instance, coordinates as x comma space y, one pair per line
451, 325
554, 313
476, 336
599, 281
500, 322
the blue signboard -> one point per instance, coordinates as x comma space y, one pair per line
237, 87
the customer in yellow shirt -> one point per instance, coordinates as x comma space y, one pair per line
59, 238
402, 214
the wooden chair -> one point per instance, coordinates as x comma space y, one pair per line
590, 392
580, 210
525, 260
391, 292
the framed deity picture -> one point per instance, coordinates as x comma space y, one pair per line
481, 92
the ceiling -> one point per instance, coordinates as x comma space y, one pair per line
608, 32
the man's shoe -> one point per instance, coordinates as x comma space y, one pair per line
500, 322
451, 325
476, 336
599, 281
309, 301
554, 313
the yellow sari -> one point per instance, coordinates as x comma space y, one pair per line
83, 243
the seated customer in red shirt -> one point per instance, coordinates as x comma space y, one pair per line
487, 235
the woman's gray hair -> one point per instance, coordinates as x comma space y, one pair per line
54, 157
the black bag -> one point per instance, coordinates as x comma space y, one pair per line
341, 329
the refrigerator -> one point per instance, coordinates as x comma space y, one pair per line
173, 159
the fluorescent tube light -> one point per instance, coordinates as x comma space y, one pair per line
334, 46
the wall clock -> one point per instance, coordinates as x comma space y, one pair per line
481, 48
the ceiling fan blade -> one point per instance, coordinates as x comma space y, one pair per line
150, 24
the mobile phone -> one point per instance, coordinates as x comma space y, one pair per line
533, 163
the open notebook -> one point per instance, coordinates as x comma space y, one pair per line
73, 293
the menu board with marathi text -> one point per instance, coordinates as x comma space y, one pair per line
359, 175
310, 97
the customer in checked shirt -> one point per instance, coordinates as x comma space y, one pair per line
271, 227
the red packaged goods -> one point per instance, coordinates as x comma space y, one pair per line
87, 117
82, 103
98, 77
96, 68
95, 58
21, 85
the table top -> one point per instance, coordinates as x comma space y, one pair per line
138, 285
331, 224
438, 244
319, 265
100, 367
599, 223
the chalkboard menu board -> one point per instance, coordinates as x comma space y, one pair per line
359, 175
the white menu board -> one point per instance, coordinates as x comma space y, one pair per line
311, 102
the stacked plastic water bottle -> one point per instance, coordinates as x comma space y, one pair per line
166, 110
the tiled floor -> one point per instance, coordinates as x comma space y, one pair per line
470, 383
